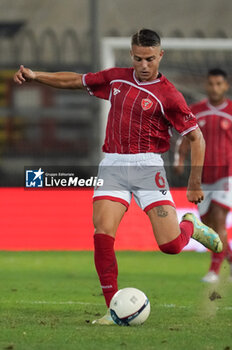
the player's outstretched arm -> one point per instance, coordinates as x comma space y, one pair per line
61, 80
197, 145
181, 151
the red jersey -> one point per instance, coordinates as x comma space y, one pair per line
216, 126
142, 113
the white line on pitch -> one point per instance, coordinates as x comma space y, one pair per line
57, 302
168, 306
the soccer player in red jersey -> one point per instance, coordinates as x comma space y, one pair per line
144, 108
214, 116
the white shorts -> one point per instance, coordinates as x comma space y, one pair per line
141, 174
220, 192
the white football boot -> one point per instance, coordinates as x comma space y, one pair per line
105, 320
210, 277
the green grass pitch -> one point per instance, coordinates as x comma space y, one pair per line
48, 300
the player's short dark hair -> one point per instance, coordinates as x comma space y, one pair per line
145, 37
217, 71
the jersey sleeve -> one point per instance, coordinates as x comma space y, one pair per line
98, 84
180, 115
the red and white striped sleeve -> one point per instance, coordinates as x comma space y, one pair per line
98, 84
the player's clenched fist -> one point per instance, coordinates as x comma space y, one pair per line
195, 196
24, 75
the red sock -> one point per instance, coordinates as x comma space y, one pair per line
175, 246
106, 265
229, 253
216, 261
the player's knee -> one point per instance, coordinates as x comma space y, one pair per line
104, 231
102, 225
218, 217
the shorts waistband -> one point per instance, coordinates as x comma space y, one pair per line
134, 157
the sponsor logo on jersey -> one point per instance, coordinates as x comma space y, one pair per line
164, 192
116, 91
34, 178
202, 123
146, 104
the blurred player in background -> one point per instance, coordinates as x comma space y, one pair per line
144, 107
214, 116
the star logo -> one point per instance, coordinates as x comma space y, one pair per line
146, 104
38, 174
34, 178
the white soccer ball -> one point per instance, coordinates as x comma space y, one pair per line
129, 307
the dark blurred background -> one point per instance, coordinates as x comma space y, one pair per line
41, 126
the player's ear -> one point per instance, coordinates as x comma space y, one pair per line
161, 54
227, 86
131, 54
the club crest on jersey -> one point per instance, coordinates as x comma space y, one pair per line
225, 124
146, 104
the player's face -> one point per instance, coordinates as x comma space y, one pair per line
146, 61
216, 88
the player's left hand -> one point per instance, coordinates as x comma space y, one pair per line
195, 195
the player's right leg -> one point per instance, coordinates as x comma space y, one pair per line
107, 215
214, 210
211, 276
216, 218
111, 201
